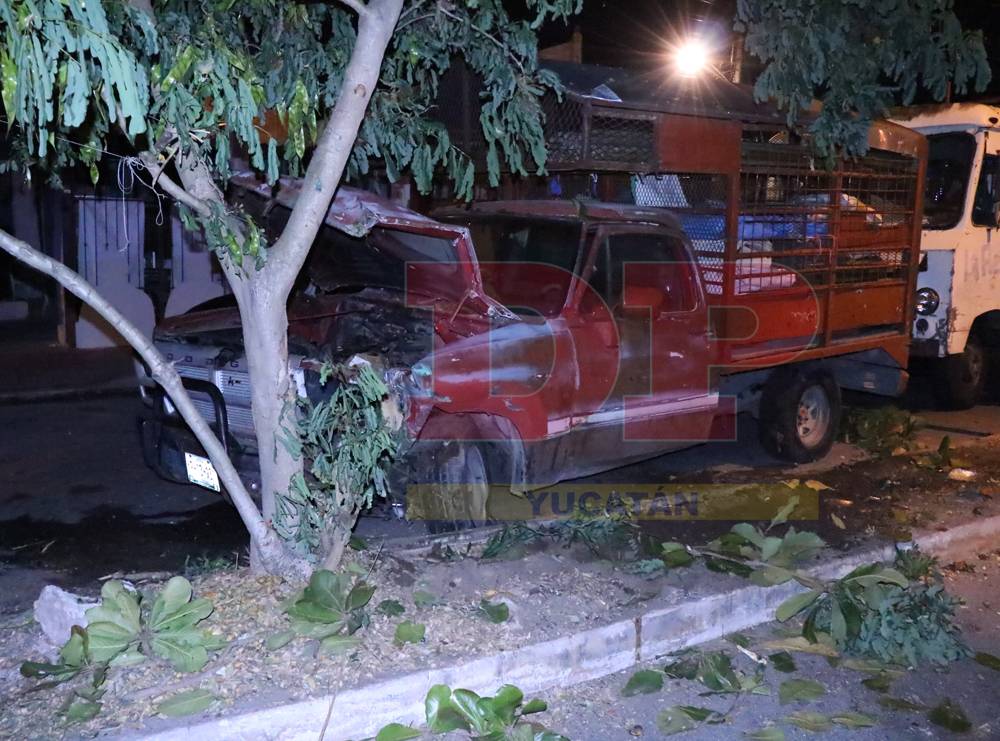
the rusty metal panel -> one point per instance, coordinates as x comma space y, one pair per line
698, 145
854, 310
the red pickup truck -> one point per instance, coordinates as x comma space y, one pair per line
526, 342
686, 258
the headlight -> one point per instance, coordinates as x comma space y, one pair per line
927, 301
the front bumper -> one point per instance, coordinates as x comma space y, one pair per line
165, 439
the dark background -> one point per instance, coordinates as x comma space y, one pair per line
636, 33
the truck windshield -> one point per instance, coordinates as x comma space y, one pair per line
527, 264
948, 167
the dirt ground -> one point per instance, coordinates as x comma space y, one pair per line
597, 711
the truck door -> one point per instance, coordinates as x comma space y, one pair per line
656, 322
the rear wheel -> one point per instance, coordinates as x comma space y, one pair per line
799, 414
962, 377
456, 500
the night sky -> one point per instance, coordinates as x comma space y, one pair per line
634, 33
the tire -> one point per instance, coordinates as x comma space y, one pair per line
962, 377
460, 490
799, 414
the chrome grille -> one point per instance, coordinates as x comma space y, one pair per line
235, 388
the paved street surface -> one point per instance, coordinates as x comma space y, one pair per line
596, 711
77, 502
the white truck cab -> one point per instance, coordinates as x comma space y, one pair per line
957, 319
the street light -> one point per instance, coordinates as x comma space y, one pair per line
691, 58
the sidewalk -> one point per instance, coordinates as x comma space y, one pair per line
38, 371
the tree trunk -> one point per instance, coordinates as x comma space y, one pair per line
336, 537
273, 393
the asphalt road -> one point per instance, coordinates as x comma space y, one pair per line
77, 501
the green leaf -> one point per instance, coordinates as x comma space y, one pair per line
188, 702
703, 715
441, 714
950, 715
357, 543
783, 514
768, 733
794, 690
802, 645
988, 660
80, 711
796, 604
534, 706
106, 640
675, 555
423, 598
42, 670
317, 631
886, 576
397, 732
327, 590
409, 632
738, 639
881, 682
807, 721
682, 669
896, 703
872, 666
175, 594
783, 662
312, 612
279, 640
131, 657
338, 645
505, 703
74, 652
359, 596
675, 720
468, 703
391, 607
183, 617
853, 720
715, 671
118, 606
494, 612
643, 682
184, 650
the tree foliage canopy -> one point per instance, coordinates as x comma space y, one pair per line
195, 78
859, 57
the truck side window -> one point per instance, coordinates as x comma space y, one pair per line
663, 278
987, 193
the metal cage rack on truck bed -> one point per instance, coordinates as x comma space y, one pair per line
799, 259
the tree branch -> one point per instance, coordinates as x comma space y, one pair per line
170, 187
357, 6
326, 168
166, 375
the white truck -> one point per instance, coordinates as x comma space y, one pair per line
957, 321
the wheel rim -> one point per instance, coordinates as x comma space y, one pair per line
813, 416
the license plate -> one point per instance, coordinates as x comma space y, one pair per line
201, 471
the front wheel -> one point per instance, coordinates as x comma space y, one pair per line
456, 498
799, 414
962, 377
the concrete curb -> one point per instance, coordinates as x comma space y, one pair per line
561, 662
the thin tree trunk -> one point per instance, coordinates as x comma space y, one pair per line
273, 395
265, 540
